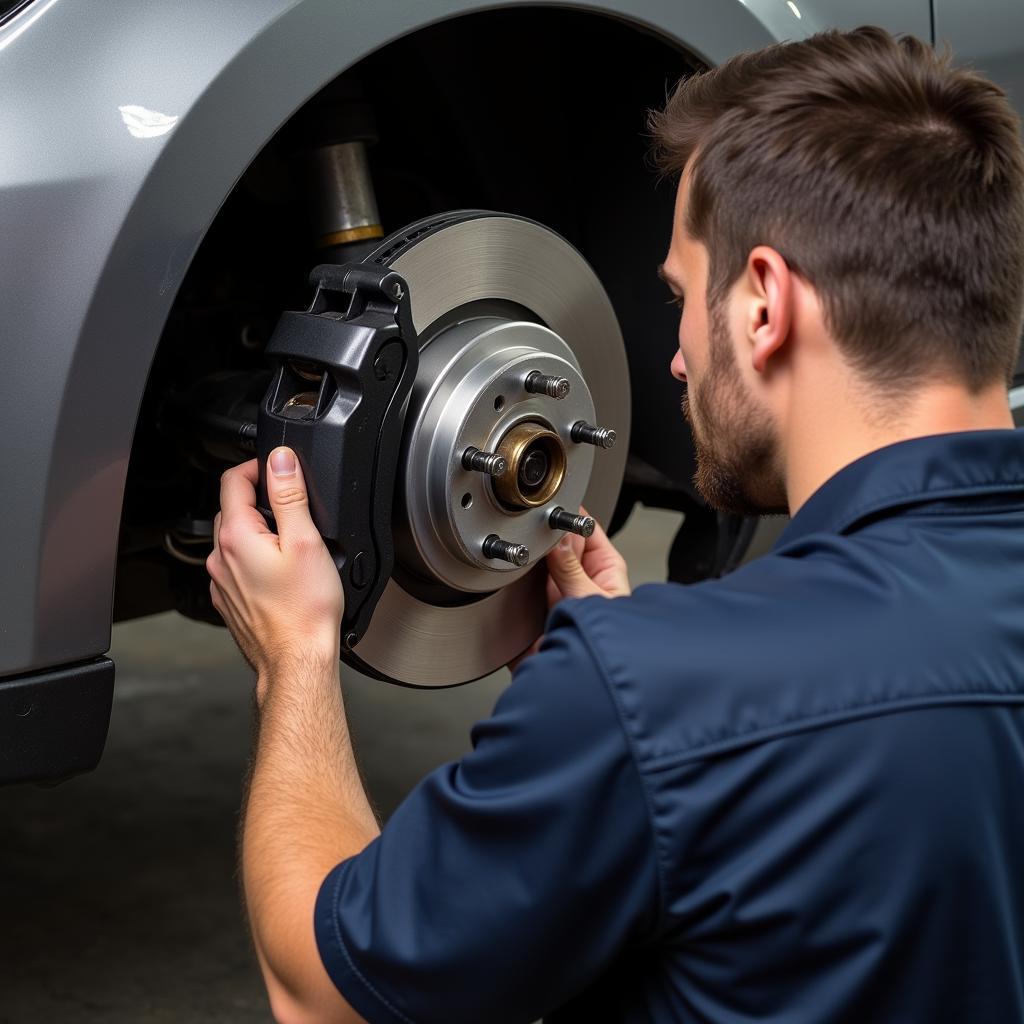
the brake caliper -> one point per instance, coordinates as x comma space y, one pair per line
342, 373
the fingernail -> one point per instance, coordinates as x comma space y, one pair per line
282, 462
565, 543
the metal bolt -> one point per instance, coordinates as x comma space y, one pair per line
538, 383
495, 547
583, 433
490, 463
562, 520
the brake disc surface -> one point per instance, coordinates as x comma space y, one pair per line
493, 297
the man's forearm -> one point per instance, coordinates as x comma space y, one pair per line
306, 811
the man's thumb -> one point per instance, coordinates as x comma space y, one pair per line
567, 571
286, 489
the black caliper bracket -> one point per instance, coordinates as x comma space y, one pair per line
342, 372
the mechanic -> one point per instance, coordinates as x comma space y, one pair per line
790, 794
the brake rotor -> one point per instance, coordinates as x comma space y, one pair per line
494, 298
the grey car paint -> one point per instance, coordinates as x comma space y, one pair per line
123, 128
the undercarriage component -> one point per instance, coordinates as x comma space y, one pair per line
346, 210
490, 463
344, 370
600, 437
485, 460
495, 547
538, 383
332, 137
536, 462
560, 519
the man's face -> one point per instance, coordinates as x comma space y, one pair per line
735, 438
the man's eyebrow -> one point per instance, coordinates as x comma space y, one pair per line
668, 279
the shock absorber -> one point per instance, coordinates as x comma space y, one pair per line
338, 130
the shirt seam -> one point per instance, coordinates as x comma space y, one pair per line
896, 500
855, 712
1015, 509
368, 985
621, 716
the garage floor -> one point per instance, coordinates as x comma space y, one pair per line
118, 890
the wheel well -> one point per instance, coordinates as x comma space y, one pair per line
534, 111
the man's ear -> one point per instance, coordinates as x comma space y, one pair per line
770, 289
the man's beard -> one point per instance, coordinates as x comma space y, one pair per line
737, 449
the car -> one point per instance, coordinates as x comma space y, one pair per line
179, 183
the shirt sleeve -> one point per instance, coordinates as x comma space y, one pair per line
508, 881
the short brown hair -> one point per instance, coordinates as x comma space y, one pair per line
890, 180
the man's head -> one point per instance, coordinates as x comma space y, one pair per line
850, 218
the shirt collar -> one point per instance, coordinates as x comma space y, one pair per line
918, 469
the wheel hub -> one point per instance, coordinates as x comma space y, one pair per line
470, 393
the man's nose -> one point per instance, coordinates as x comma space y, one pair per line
678, 366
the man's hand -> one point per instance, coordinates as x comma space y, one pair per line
279, 594
581, 567
306, 809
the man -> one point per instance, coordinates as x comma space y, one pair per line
791, 794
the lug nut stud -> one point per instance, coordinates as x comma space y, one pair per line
584, 433
538, 383
560, 519
495, 547
490, 463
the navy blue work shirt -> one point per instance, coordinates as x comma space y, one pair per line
794, 794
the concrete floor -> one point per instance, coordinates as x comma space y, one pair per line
118, 890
